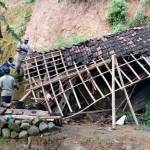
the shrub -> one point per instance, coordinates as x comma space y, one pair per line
146, 2
138, 19
118, 28
117, 10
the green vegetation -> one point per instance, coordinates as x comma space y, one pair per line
116, 15
118, 28
143, 117
30, 1
13, 24
138, 19
146, 2
3, 143
117, 10
69, 40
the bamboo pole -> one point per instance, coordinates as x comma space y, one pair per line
70, 82
43, 90
57, 103
26, 95
113, 93
61, 86
126, 94
128, 64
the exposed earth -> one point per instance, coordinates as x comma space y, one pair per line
89, 136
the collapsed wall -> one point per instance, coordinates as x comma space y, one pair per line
70, 80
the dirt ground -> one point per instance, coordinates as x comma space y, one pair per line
89, 136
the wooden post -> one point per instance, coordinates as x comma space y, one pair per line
126, 94
113, 93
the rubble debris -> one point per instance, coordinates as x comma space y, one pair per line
71, 80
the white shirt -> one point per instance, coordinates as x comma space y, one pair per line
21, 55
7, 83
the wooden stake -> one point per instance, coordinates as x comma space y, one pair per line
113, 93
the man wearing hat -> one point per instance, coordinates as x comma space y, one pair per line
7, 84
22, 50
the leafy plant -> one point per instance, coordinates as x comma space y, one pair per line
119, 27
146, 2
143, 117
117, 10
138, 19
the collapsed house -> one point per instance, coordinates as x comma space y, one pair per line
68, 81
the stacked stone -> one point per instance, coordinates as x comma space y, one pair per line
23, 128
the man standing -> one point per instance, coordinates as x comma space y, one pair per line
7, 84
22, 50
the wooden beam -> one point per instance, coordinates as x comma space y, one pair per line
113, 93
126, 94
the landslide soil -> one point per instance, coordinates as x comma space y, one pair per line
51, 18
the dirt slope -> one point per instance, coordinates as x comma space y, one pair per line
51, 18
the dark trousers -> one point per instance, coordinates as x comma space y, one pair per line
6, 99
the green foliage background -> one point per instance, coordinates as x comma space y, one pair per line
13, 21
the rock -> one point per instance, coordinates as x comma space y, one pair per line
14, 127
5, 132
43, 126
14, 134
36, 121
51, 125
26, 121
25, 126
3, 122
33, 130
17, 122
23, 134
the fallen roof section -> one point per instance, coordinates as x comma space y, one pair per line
69, 81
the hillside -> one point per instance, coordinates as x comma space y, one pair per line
52, 20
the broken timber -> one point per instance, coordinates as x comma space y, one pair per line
71, 80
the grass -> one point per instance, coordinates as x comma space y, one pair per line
118, 28
68, 41
138, 19
3, 143
145, 2
143, 117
